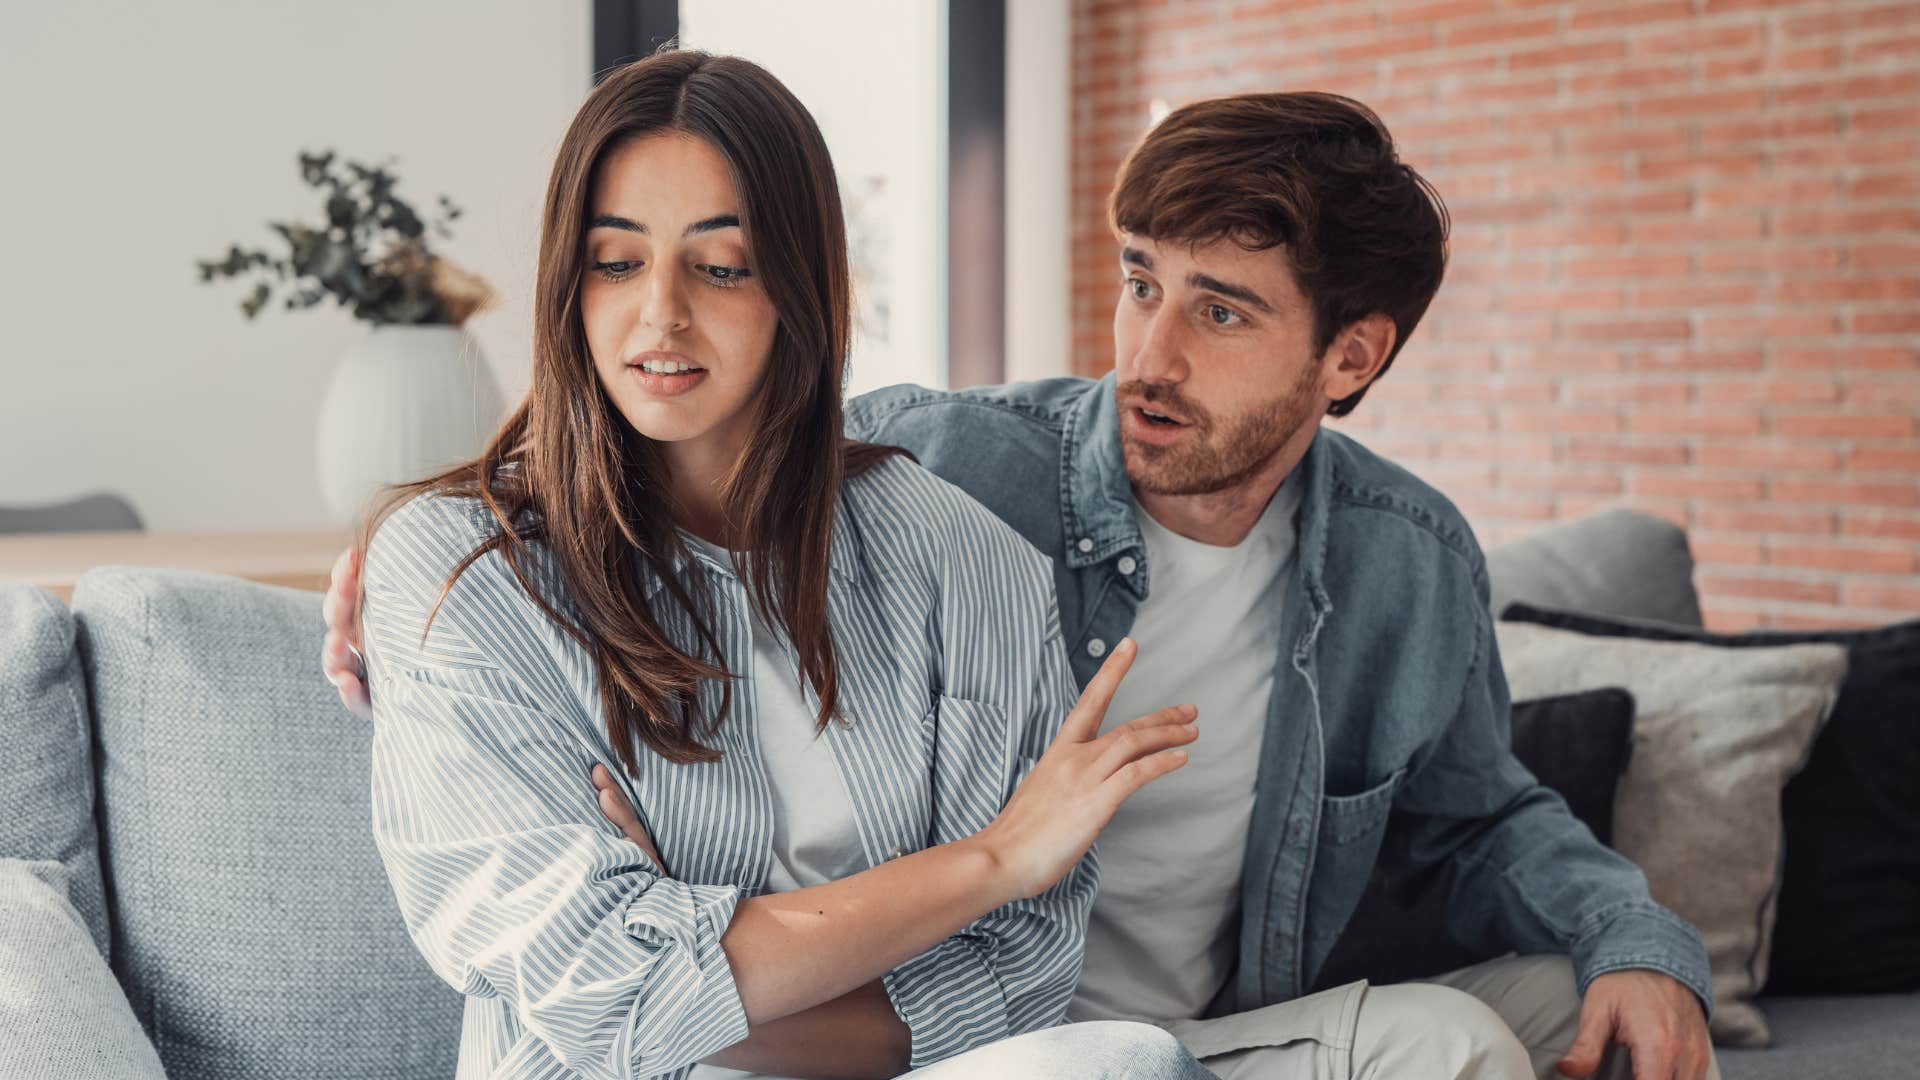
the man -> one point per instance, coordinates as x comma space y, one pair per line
1327, 612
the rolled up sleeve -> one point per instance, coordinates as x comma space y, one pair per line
510, 882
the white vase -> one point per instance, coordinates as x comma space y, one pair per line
404, 402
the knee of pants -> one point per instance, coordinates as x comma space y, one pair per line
1104, 1049
1447, 1030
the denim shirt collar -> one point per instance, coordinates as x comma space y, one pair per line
1097, 515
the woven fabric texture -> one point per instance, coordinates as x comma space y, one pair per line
63, 1015
46, 768
254, 927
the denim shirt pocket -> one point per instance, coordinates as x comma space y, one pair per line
1351, 827
1346, 818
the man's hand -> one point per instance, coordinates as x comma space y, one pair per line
1653, 1015
615, 808
340, 654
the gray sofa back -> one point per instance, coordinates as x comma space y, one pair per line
253, 926
46, 763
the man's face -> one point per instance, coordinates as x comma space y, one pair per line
1213, 346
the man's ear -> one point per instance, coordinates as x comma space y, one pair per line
1358, 354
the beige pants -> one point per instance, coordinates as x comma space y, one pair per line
1510, 1019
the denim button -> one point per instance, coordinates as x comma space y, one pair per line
1127, 565
1085, 545
1096, 647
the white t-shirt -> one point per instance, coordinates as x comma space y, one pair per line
1165, 924
815, 839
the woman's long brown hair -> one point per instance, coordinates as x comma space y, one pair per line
567, 470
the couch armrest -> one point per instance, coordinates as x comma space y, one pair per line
61, 1012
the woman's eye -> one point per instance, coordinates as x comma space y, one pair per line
614, 271
1222, 316
725, 275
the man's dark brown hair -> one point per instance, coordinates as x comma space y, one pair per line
1313, 173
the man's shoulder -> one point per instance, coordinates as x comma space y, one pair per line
1366, 485
1041, 405
921, 518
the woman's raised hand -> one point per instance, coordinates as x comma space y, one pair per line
1057, 812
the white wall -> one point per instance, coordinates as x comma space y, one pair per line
873, 74
1039, 212
140, 137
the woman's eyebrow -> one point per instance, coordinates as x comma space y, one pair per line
706, 225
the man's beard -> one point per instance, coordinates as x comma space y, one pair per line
1216, 457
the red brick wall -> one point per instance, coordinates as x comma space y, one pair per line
1685, 269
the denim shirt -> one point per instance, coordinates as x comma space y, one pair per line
1388, 732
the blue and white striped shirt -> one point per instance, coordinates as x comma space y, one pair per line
578, 955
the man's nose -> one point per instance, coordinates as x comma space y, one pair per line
1162, 353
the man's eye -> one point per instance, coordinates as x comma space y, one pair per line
1222, 316
1139, 288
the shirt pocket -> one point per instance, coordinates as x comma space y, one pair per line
1347, 818
974, 764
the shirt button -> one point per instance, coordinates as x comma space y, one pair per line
1096, 647
896, 853
1127, 565
1085, 544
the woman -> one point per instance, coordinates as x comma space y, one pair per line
831, 681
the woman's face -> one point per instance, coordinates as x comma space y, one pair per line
678, 324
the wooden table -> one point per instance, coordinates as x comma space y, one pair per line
54, 561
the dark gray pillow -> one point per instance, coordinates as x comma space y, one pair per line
1849, 915
1576, 744
1621, 563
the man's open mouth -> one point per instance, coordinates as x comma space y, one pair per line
1157, 418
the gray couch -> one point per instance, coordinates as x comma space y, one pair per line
181, 793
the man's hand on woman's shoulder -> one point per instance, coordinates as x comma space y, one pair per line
340, 653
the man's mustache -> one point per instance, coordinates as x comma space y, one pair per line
1164, 395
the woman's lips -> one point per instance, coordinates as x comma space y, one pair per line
667, 385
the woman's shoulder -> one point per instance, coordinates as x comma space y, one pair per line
931, 522
421, 542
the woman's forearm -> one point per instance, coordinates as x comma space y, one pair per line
793, 950
855, 1036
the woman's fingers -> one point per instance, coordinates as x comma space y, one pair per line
1084, 720
1149, 734
1137, 774
616, 809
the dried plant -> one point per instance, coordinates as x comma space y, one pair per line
372, 255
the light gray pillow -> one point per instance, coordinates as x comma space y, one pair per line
46, 763
61, 1013
1717, 733
254, 926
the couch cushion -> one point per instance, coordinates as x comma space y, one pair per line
1621, 562
46, 772
64, 1015
1850, 891
1716, 735
1817, 1037
254, 927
